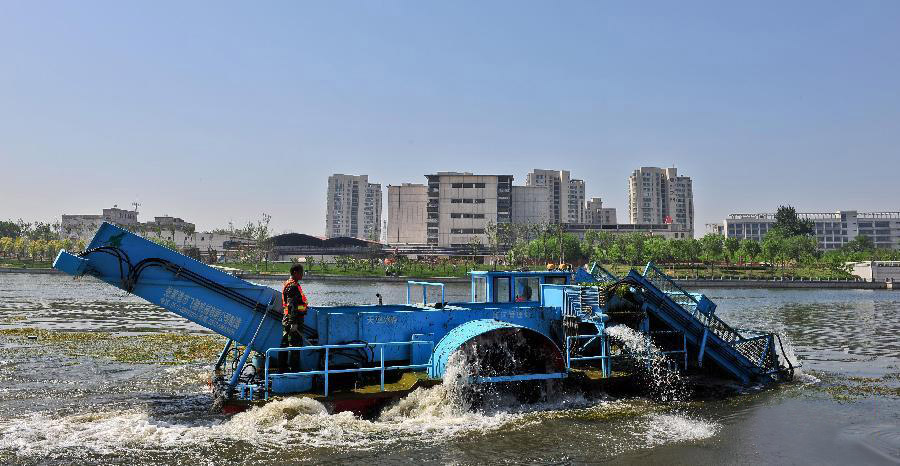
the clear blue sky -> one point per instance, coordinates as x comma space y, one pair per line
218, 111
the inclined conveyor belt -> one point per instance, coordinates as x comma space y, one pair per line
750, 358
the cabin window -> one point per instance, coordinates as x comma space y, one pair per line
527, 289
479, 290
557, 280
501, 289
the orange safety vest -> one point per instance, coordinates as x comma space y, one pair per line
284, 302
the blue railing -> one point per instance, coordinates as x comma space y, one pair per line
424, 286
326, 371
682, 351
604, 358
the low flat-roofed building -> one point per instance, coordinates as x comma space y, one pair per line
832, 230
876, 271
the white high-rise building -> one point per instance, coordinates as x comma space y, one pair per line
660, 196
567, 194
353, 207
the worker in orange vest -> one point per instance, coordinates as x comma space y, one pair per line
295, 304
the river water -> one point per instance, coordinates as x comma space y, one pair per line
86, 377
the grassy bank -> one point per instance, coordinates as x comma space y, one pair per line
425, 270
25, 264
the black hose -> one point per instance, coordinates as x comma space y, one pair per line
118, 253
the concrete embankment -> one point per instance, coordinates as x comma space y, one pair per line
688, 283
787, 283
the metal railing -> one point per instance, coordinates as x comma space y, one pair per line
757, 347
601, 274
424, 286
682, 351
689, 304
604, 358
326, 371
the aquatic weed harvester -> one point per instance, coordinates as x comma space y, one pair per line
519, 328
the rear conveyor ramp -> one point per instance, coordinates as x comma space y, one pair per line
750, 357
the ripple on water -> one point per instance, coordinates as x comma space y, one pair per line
880, 439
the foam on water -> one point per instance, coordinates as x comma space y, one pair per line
425, 416
669, 428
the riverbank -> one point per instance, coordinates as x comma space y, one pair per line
687, 283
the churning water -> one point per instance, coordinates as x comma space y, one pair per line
66, 401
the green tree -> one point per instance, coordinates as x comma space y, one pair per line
657, 249
861, 243
20, 247
749, 250
9, 229
6, 245
713, 247
633, 248
36, 248
774, 248
492, 231
789, 224
800, 249
42, 231
53, 247
165, 242
731, 245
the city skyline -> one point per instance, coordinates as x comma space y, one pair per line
110, 104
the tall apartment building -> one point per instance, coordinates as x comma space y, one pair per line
353, 207
567, 194
406, 214
659, 195
596, 214
832, 230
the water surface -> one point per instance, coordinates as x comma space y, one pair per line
67, 400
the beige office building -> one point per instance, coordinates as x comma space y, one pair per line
353, 207
460, 206
660, 196
567, 194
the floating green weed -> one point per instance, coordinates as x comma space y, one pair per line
856, 388
165, 348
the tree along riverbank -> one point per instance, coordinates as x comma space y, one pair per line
776, 283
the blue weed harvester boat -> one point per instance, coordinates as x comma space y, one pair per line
519, 328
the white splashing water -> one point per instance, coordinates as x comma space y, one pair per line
669, 428
665, 382
427, 415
